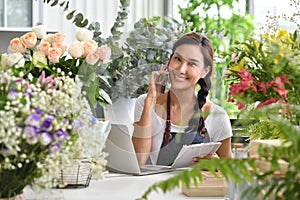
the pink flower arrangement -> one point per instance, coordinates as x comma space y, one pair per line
265, 71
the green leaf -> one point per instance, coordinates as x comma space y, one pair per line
104, 96
54, 3
70, 15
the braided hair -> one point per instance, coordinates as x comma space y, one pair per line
204, 83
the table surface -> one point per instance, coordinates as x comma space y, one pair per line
116, 186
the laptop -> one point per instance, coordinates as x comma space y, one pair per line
121, 155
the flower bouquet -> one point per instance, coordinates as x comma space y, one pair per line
37, 51
45, 117
265, 71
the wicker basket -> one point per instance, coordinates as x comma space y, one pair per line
77, 174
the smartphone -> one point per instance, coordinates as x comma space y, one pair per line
165, 81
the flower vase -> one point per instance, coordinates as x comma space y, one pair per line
121, 112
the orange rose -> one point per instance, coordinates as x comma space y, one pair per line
29, 40
54, 54
16, 45
89, 46
44, 47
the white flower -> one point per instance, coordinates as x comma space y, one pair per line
76, 49
83, 34
3, 60
39, 59
15, 59
40, 31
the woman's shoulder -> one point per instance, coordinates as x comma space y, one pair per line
215, 108
141, 98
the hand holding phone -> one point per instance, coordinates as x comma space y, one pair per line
165, 80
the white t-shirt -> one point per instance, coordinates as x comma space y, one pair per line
217, 124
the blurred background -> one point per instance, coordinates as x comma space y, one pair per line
223, 21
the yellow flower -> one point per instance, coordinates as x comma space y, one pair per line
278, 57
238, 66
283, 35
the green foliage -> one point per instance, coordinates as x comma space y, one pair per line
232, 169
264, 130
145, 49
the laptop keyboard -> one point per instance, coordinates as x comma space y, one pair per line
147, 168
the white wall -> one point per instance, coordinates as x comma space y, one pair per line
102, 11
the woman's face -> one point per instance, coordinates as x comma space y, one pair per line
187, 67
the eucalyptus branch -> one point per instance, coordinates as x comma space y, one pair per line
119, 22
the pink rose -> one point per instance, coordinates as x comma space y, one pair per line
61, 46
76, 49
89, 46
104, 53
58, 38
92, 58
17, 46
29, 40
44, 47
54, 54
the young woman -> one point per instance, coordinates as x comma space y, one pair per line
164, 121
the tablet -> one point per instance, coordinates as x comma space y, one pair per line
186, 154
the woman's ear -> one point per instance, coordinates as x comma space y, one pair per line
205, 71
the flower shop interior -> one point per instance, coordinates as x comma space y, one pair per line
72, 72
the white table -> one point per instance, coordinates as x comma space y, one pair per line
115, 186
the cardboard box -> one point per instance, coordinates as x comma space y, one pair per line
210, 187
262, 164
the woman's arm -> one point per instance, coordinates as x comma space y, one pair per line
142, 134
224, 150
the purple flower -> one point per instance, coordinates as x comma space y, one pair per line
45, 138
31, 134
77, 125
60, 135
54, 148
28, 94
37, 111
5, 151
46, 125
33, 120
12, 94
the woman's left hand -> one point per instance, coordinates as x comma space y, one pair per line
197, 159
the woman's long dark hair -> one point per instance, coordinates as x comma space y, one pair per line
205, 83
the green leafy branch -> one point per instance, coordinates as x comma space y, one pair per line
286, 186
79, 20
232, 170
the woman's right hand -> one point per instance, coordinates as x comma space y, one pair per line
156, 82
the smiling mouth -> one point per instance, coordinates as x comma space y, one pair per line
180, 78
